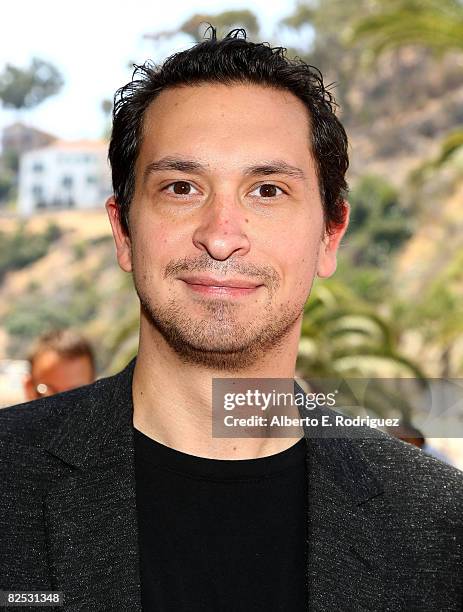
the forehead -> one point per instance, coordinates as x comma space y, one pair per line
51, 362
226, 120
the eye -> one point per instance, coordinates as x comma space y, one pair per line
268, 190
180, 188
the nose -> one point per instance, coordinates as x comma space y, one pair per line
221, 229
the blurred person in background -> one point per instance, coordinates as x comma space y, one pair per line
59, 360
407, 433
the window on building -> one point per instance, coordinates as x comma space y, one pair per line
37, 167
37, 191
67, 181
91, 179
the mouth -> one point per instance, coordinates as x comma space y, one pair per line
226, 287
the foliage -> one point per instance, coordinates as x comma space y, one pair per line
196, 25
437, 24
107, 109
368, 282
71, 306
224, 22
378, 225
21, 248
438, 314
344, 335
73, 303
80, 250
28, 87
7, 184
328, 50
434, 24
10, 160
453, 143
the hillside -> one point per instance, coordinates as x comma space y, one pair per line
77, 283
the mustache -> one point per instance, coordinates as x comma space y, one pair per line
265, 274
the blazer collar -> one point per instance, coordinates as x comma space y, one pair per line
90, 419
102, 417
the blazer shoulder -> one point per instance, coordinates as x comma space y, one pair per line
25, 423
406, 469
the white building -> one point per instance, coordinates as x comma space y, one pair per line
64, 175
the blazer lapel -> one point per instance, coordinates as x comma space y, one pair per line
349, 550
91, 515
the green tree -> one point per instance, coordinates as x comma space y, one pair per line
24, 88
438, 314
7, 185
341, 333
107, 109
20, 248
379, 225
196, 25
437, 24
343, 337
328, 49
433, 24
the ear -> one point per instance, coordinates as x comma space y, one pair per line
329, 246
121, 238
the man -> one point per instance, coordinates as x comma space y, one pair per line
228, 171
59, 360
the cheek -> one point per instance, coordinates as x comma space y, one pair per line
300, 249
154, 245
299, 263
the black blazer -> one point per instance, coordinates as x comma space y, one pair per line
385, 522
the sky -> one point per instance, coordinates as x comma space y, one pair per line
93, 43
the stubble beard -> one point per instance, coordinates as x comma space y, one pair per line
218, 340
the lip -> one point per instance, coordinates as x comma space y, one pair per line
222, 287
209, 281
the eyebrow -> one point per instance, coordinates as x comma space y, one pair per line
180, 164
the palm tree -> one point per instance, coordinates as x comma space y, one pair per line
345, 344
343, 335
436, 24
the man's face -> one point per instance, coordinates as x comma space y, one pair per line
51, 373
226, 223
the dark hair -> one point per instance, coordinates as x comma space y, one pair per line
231, 60
67, 343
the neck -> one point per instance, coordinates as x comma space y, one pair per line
173, 398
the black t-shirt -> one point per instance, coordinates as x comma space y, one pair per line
221, 535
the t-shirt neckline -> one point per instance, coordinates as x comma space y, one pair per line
158, 455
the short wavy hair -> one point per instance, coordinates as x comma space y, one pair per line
67, 343
233, 59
